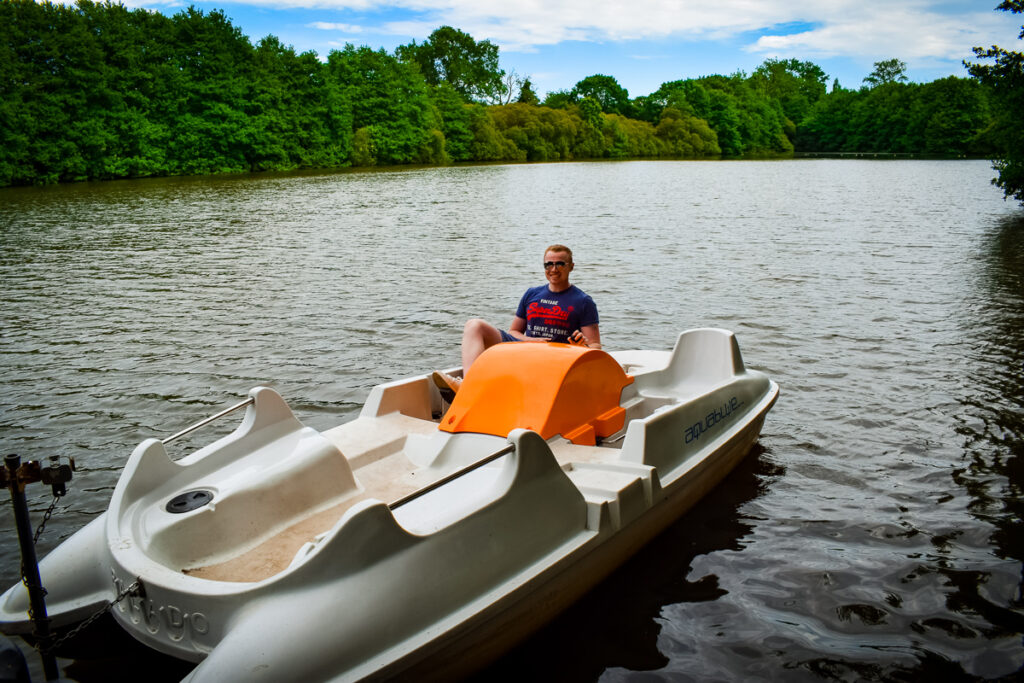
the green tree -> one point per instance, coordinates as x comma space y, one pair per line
55, 95
544, 134
457, 118
452, 56
686, 136
692, 97
138, 63
294, 117
28, 103
209, 127
559, 99
489, 144
526, 93
882, 119
887, 71
829, 123
647, 108
631, 138
606, 91
746, 120
724, 117
672, 94
590, 142
948, 116
1005, 77
390, 105
590, 111
98, 91
796, 85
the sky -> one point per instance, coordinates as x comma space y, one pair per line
644, 43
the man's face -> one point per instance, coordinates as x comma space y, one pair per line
558, 276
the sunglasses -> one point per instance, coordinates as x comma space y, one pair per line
554, 264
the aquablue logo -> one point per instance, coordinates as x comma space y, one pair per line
712, 419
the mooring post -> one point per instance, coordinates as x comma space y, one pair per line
30, 567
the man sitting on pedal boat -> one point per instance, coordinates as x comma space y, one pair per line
557, 311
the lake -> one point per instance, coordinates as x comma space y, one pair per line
873, 534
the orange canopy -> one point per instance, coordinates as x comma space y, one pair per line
549, 388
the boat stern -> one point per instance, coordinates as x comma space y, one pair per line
77, 582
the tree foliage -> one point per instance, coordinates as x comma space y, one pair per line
606, 91
1005, 77
559, 99
452, 56
686, 136
949, 116
390, 103
96, 91
796, 85
745, 119
526, 93
887, 71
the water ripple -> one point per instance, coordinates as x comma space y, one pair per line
876, 532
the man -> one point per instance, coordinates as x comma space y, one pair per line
557, 311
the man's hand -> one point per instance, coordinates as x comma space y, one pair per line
577, 339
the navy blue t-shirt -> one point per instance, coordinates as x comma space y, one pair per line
556, 315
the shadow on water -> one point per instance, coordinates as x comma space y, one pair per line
993, 432
617, 623
983, 606
994, 438
122, 659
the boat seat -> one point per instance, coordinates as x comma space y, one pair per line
548, 388
701, 358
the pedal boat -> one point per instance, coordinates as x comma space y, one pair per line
419, 539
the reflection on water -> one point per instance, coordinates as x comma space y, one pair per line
874, 535
617, 625
993, 427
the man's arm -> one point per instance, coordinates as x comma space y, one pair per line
518, 330
591, 336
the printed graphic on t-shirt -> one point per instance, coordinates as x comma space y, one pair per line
546, 318
556, 315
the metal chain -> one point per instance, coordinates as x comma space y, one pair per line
35, 539
46, 518
130, 590
24, 581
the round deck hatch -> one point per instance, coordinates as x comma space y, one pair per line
188, 501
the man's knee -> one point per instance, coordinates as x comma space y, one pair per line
478, 329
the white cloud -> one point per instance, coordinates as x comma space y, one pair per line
331, 26
914, 29
894, 30
531, 23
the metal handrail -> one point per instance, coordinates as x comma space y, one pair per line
202, 423
398, 503
454, 475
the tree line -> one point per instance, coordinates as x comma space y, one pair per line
98, 91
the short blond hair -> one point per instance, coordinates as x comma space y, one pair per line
560, 247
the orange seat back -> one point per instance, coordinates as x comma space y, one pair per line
546, 387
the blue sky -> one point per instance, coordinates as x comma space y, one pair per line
644, 43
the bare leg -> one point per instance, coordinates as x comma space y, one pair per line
477, 336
